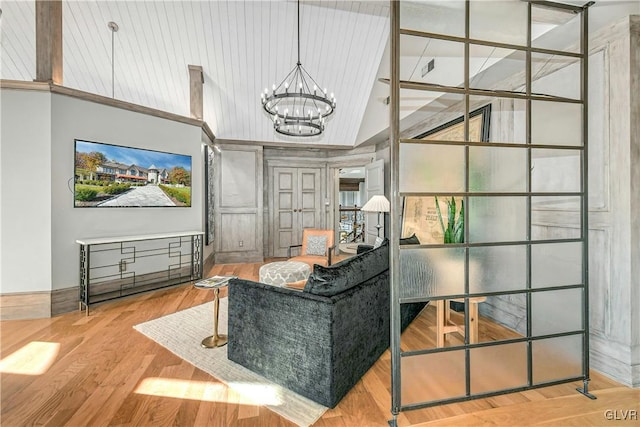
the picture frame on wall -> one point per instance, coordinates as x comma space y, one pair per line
419, 213
116, 176
209, 163
479, 128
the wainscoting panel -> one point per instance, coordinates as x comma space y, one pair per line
29, 305
238, 179
64, 300
240, 231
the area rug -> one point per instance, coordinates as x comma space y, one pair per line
182, 332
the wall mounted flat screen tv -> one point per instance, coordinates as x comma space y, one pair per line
107, 175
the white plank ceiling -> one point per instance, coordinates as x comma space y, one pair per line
243, 47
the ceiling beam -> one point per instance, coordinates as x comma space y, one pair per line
49, 41
196, 82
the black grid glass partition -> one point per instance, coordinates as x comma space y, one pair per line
494, 148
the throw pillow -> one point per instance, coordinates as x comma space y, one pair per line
337, 278
299, 285
316, 245
378, 242
411, 240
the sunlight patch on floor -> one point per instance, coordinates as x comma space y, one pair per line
241, 393
34, 358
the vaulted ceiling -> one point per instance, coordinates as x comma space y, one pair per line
244, 46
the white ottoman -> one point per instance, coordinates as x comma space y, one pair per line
282, 272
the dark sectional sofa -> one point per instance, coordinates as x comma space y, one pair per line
320, 341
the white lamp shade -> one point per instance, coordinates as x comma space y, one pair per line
377, 203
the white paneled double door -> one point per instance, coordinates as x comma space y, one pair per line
297, 204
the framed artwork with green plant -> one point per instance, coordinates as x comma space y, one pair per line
430, 221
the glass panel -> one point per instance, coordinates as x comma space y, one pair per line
508, 119
555, 29
555, 75
556, 123
556, 311
557, 358
497, 268
556, 203
441, 17
498, 367
555, 217
420, 334
425, 112
430, 168
556, 264
431, 272
499, 21
452, 129
496, 68
555, 170
434, 61
497, 219
503, 317
493, 169
431, 377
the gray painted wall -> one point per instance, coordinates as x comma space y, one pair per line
39, 223
25, 197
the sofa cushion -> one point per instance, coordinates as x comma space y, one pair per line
411, 240
329, 281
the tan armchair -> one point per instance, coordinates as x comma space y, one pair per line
312, 251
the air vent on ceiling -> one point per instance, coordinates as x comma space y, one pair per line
429, 67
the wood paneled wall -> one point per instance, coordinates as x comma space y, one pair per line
614, 200
239, 204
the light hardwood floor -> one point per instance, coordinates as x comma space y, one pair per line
98, 362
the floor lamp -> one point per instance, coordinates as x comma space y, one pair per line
378, 204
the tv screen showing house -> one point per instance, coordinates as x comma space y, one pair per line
107, 175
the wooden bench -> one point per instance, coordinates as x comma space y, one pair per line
444, 324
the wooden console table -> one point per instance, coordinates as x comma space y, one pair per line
115, 267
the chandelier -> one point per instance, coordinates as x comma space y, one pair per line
297, 106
